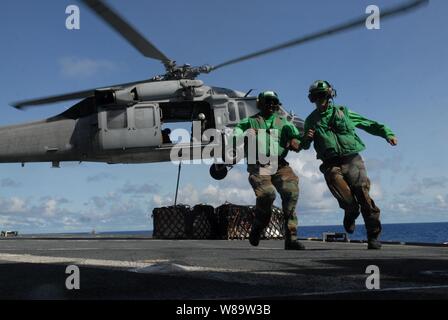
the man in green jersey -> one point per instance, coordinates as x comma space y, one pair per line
332, 129
277, 136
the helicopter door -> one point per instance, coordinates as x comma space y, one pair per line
144, 126
113, 125
124, 127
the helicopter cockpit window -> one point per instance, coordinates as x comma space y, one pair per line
117, 119
232, 111
144, 117
242, 110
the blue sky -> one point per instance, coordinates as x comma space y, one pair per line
396, 75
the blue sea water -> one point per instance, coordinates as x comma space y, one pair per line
404, 232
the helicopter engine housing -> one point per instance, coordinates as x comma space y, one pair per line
111, 97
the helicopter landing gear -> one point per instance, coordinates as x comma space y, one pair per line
219, 171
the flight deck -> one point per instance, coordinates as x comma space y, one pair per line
129, 267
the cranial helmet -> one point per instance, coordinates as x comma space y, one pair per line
268, 98
321, 88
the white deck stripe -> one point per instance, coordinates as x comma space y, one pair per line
27, 258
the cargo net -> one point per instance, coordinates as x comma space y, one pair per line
202, 223
236, 222
170, 222
228, 221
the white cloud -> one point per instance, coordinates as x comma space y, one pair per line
17, 205
14, 205
157, 200
216, 195
314, 194
441, 201
188, 195
84, 67
50, 207
376, 192
401, 207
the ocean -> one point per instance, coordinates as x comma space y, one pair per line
403, 232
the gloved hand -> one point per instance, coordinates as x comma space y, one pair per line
293, 145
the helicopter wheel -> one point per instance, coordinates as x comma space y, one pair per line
218, 171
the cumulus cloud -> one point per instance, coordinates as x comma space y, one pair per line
34, 215
376, 192
434, 207
157, 200
52, 214
14, 205
75, 67
442, 201
314, 194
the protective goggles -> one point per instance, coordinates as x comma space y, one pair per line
319, 95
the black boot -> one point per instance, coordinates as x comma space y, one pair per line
373, 244
294, 245
255, 235
349, 223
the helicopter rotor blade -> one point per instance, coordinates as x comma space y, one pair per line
410, 5
136, 39
68, 96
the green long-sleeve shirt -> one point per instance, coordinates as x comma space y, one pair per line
285, 132
335, 132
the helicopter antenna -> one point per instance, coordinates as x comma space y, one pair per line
248, 93
177, 185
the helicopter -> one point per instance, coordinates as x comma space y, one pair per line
122, 123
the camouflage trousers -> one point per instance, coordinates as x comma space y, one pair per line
348, 182
287, 184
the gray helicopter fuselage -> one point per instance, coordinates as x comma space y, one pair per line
125, 125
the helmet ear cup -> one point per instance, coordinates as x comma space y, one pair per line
312, 98
331, 90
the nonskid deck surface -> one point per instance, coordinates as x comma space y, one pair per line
123, 267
